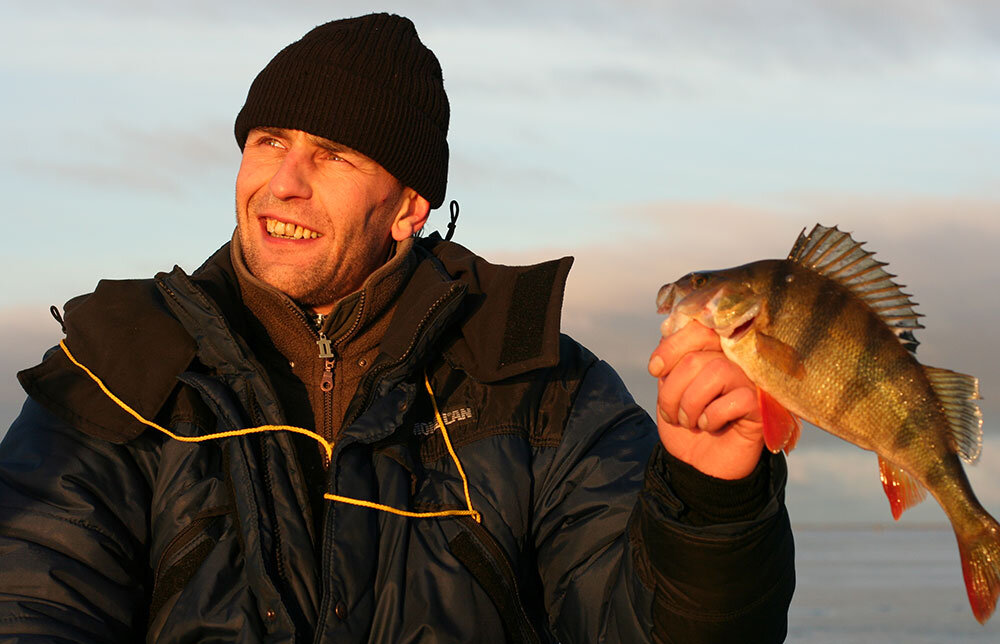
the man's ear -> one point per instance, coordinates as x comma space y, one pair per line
412, 215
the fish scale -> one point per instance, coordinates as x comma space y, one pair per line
827, 335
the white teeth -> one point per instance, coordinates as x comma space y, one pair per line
284, 230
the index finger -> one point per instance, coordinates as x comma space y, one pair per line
693, 337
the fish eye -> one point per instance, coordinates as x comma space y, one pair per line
698, 280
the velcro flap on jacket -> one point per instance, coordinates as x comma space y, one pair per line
515, 314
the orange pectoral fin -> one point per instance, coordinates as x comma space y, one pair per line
781, 427
902, 489
779, 355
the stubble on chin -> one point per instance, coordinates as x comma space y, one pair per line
304, 286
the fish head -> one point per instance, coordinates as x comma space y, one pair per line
723, 300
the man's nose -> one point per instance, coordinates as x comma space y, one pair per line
292, 178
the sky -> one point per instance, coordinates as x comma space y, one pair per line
647, 138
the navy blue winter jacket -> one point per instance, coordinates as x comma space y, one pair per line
111, 530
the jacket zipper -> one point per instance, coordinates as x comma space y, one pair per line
368, 389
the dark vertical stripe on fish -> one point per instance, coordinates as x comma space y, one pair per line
936, 473
777, 291
821, 319
864, 380
915, 424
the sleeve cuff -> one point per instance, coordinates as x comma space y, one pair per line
697, 499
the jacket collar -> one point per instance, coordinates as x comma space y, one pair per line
504, 322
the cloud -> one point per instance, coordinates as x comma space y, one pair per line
138, 160
827, 33
634, 45
643, 46
472, 168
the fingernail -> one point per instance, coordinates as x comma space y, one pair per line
655, 365
682, 418
702, 422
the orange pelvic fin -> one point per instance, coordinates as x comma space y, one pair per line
981, 569
781, 427
903, 490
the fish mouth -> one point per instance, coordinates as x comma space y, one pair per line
741, 326
741, 330
666, 298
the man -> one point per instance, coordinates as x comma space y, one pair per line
334, 431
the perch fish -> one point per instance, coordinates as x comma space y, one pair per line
826, 335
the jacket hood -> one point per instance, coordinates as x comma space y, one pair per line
506, 323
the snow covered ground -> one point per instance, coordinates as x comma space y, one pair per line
881, 584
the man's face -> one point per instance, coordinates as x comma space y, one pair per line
315, 218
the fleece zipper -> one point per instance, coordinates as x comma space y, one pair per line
328, 351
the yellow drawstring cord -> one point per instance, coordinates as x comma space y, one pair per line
327, 446
196, 439
470, 512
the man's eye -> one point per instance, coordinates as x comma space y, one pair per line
267, 141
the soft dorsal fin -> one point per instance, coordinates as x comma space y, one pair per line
958, 394
835, 254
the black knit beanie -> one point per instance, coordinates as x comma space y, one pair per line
367, 83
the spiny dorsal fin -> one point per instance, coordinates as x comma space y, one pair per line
958, 394
834, 254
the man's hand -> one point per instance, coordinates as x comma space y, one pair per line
707, 409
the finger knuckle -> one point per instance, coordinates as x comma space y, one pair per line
689, 361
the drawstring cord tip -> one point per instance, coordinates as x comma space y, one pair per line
453, 208
57, 316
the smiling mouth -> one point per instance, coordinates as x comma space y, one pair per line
282, 230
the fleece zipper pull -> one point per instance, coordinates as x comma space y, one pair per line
326, 353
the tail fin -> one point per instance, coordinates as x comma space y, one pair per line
981, 567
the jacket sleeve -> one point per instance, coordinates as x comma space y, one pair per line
619, 557
73, 523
